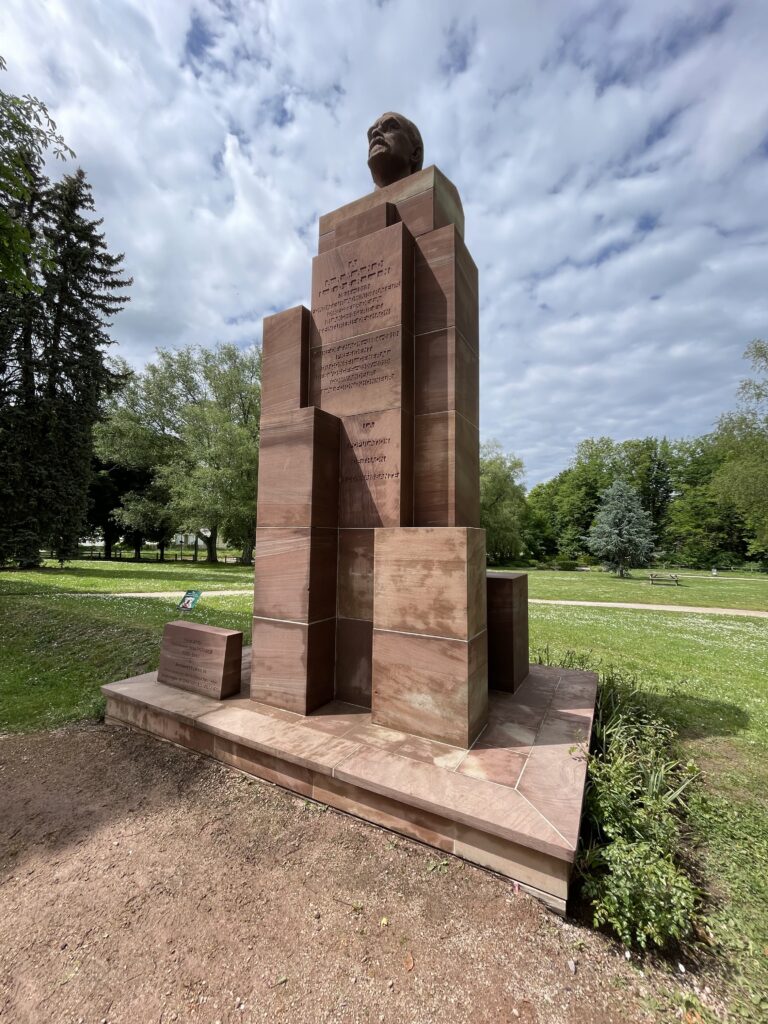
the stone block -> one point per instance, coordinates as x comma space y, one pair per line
446, 285
508, 657
446, 375
374, 372
295, 573
355, 574
376, 469
425, 200
363, 287
202, 659
365, 223
430, 686
285, 363
447, 471
354, 653
430, 581
299, 470
293, 663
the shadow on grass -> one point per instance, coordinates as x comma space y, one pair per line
691, 717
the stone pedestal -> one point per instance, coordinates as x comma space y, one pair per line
508, 657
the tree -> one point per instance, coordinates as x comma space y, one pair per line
502, 502
191, 418
53, 373
621, 535
742, 441
26, 132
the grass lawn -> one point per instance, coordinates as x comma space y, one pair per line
698, 589
709, 676
97, 577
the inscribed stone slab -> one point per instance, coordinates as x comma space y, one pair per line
200, 658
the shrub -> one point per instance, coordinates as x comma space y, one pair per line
636, 801
567, 564
641, 894
631, 856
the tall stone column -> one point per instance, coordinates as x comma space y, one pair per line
389, 355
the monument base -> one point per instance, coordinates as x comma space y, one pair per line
511, 803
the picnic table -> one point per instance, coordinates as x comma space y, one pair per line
670, 579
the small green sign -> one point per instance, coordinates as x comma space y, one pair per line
190, 599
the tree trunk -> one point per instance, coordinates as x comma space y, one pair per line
137, 547
161, 545
210, 544
247, 556
194, 552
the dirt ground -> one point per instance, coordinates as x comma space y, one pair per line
142, 883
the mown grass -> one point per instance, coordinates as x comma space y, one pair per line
699, 590
57, 650
96, 577
708, 677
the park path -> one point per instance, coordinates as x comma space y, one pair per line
686, 608
749, 612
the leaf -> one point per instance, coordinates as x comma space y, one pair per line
383, 922
408, 962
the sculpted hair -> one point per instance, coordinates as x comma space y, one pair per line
414, 135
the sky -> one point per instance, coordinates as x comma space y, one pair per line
612, 159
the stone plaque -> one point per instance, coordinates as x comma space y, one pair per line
363, 286
203, 659
375, 471
362, 373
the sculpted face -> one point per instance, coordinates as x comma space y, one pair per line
394, 149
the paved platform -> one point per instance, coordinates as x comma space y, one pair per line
512, 802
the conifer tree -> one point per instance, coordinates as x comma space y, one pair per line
53, 373
621, 534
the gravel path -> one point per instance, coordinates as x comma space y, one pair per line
143, 883
170, 594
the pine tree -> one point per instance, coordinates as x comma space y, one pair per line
622, 533
54, 375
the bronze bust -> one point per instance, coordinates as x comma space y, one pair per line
395, 149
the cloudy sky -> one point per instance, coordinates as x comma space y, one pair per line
612, 158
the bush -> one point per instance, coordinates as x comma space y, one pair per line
631, 856
636, 802
567, 564
641, 894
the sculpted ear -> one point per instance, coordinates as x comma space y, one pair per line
418, 157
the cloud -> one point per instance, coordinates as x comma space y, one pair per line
611, 158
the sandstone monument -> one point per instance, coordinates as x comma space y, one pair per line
389, 672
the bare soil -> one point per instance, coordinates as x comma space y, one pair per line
143, 883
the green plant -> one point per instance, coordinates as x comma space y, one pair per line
636, 801
644, 896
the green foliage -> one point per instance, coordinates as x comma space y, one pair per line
26, 132
191, 420
561, 511
742, 440
643, 896
502, 502
621, 533
52, 370
635, 803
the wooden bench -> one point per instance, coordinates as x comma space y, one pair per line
664, 579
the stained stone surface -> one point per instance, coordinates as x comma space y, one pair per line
512, 802
202, 659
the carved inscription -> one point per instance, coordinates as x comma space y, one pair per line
203, 659
371, 469
362, 373
358, 288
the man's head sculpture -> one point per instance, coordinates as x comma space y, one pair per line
395, 149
